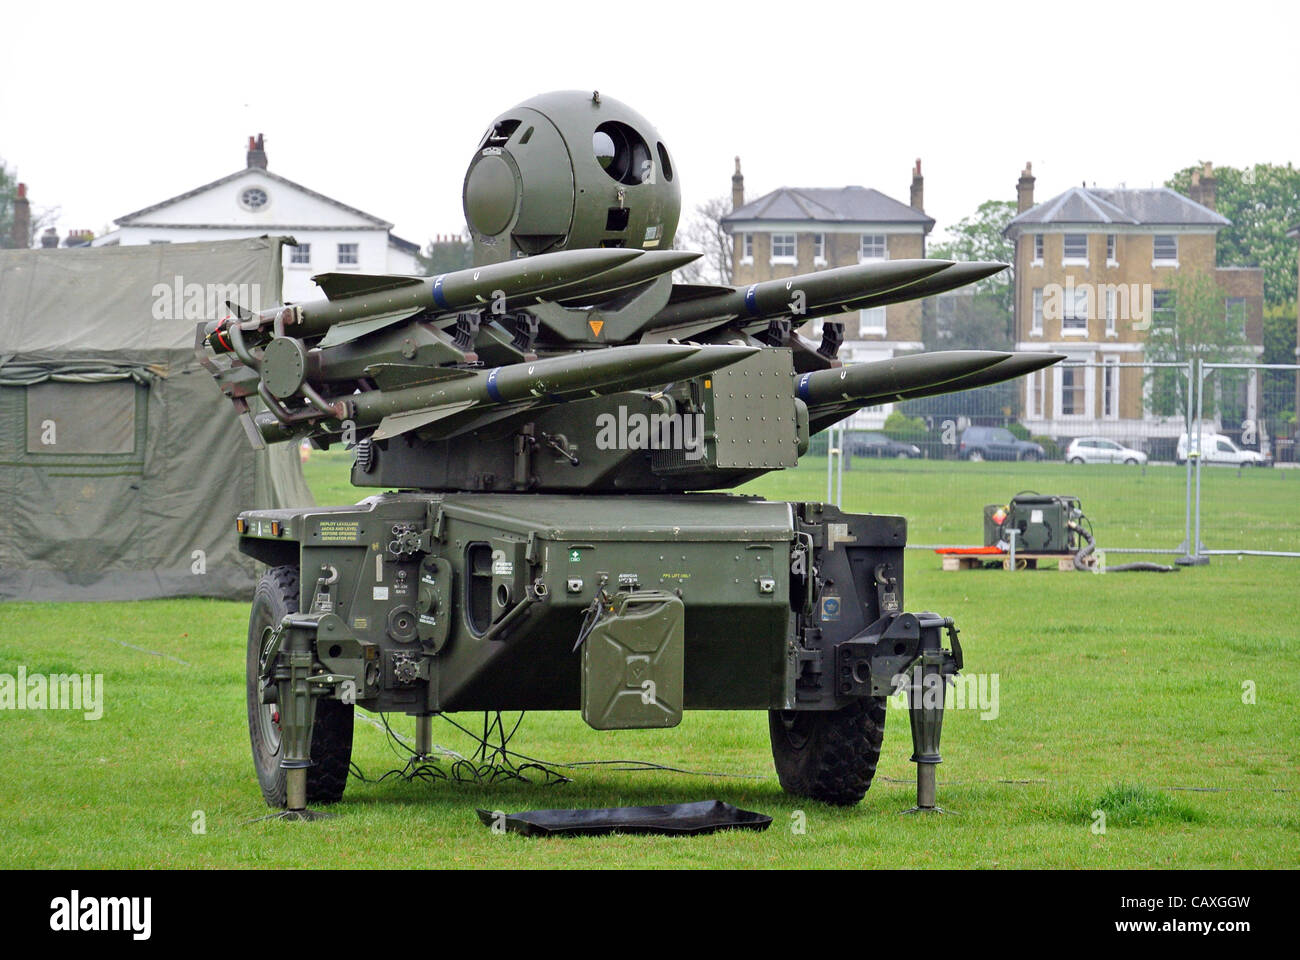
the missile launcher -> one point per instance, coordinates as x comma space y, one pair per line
550, 419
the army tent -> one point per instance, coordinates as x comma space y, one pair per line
121, 464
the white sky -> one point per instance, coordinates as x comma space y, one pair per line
109, 107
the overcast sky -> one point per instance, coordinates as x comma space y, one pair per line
109, 107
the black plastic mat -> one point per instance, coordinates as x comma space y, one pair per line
704, 816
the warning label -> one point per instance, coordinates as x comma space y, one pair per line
339, 531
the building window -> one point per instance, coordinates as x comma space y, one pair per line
1073, 391
1110, 389
1235, 313
1036, 325
1074, 311
1112, 296
1075, 248
301, 253
746, 248
1162, 308
1164, 249
873, 247
872, 321
1037, 388
348, 254
254, 198
1110, 250
1038, 248
783, 249
819, 248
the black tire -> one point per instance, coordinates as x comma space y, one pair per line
828, 755
331, 742
1130, 462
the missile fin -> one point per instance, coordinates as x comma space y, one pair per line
392, 376
350, 330
337, 286
396, 424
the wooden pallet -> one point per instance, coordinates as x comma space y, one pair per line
1024, 561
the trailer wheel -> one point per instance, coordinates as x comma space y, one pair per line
331, 743
828, 755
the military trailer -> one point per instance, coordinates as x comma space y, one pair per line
548, 432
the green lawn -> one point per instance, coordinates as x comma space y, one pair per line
1121, 692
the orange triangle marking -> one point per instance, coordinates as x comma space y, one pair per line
596, 326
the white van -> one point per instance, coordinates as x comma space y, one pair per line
1219, 449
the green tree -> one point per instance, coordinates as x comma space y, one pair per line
1263, 202
444, 256
977, 317
8, 192
979, 237
1279, 347
1189, 322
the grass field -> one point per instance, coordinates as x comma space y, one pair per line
1121, 693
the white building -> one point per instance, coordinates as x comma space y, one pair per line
331, 236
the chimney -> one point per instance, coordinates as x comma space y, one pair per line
256, 153
50, 238
79, 238
1209, 186
918, 188
1025, 189
737, 188
22, 225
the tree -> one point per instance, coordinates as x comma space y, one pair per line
445, 254
1189, 322
1262, 202
704, 232
41, 217
8, 193
979, 237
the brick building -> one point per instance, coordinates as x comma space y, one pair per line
794, 230
1093, 270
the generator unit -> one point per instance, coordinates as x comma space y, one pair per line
1044, 523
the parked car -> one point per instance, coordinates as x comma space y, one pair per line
1219, 449
879, 445
1101, 450
996, 443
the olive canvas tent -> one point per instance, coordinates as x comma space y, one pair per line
121, 464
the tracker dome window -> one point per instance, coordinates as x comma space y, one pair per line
621, 152
664, 164
500, 133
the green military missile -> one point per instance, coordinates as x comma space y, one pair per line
648, 266
539, 382
886, 378
460, 290
831, 408
798, 295
1016, 365
950, 278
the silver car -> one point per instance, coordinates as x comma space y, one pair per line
1101, 450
